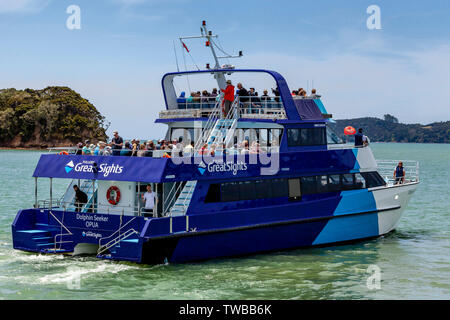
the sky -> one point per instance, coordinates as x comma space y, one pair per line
117, 58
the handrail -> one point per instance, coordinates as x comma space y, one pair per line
69, 233
116, 240
190, 191
62, 225
209, 124
386, 169
118, 230
172, 195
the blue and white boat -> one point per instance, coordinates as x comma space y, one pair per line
300, 186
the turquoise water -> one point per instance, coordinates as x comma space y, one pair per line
414, 260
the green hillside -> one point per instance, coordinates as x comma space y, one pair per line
390, 130
54, 116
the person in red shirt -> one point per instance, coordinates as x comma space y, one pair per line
228, 97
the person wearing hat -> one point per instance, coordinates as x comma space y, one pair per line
228, 96
117, 143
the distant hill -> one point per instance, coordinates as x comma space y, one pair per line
54, 116
390, 130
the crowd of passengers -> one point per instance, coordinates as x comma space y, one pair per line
136, 148
249, 98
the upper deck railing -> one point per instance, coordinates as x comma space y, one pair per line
256, 107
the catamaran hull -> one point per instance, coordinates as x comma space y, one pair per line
153, 244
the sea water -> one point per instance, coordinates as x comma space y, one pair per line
413, 262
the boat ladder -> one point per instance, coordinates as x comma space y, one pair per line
223, 130
184, 199
116, 240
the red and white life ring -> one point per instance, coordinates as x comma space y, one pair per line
113, 195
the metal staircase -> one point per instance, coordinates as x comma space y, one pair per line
87, 187
223, 130
217, 130
184, 199
209, 126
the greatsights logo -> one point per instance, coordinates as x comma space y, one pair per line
91, 166
69, 166
219, 166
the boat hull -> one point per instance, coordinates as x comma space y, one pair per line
353, 215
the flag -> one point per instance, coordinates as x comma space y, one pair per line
185, 46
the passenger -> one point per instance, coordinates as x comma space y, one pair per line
127, 149
265, 99
97, 149
399, 174
80, 198
101, 148
205, 99
204, 150
117, 143
228, 97
150, 148
243, 93
79, 151
245, 149
254, 148
254, 96
92, 148
141, 152
213, 150
276, 92
314, 95
359, 138
108, 151
366, 141
182, 100
190, 101
213, 96
189, 149
86, 151
150, 199
134, 148
150, 145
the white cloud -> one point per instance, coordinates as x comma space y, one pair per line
22, 6
409, 85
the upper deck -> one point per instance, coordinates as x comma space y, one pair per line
278, 106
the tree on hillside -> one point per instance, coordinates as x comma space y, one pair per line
390, 118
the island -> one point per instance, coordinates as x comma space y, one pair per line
51, 117
389, 129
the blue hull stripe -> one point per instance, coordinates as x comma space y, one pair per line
349, 228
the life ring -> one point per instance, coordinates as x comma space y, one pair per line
349, 131
113, 195
64, 152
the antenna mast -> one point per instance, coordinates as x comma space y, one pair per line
208, 35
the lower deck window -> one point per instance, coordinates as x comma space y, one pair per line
306, 137
292, 188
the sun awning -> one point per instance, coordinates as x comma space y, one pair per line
101, 167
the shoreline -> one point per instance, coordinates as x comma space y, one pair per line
46, 148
